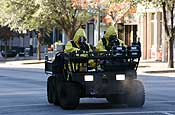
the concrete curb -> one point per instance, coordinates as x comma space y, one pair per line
24, 62
34, 62
160, 71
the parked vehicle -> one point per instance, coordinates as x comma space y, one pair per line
9, 53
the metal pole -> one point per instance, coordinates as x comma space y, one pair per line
98, 24
46, 52
53, 38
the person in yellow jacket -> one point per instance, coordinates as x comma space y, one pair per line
78, 43
109, 39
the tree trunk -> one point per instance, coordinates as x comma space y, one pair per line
170, 53
171, 40
70, 34
5, 48
169, 33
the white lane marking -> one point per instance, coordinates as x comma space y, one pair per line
126, 113
26, 105
161, 101
166, 75
21, 93
166, 113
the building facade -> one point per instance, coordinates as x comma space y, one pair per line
152, 35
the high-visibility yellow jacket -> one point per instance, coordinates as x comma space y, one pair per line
69, 46
110, 31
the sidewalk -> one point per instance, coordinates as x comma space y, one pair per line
22, 60
145, 66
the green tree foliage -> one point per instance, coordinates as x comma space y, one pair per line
35, 14
17, 14
42, 14
65, 15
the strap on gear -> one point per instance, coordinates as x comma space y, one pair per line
73, 44
105, 44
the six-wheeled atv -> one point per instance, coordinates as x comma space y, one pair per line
111, 75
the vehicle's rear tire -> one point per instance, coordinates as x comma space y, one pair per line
118, 98
69, 96
57, 84
50, 89
135, 94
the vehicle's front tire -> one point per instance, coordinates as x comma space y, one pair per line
50, 89
55, 92
69, 96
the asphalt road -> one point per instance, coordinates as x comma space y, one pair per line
23, 92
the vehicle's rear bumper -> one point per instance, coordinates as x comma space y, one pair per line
102, 84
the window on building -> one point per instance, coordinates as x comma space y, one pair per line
152, 28
161, 24
152, 16
60, 37
160, 16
